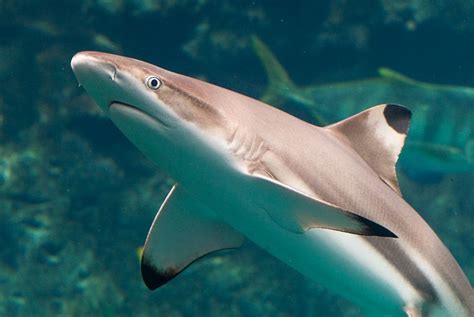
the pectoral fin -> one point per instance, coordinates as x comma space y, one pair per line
297, 212
180, 235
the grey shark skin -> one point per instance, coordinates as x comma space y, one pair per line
323, 200
433, 149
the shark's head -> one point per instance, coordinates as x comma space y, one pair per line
163, 113
116, 81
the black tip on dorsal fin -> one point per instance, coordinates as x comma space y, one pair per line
378, 135
398, 117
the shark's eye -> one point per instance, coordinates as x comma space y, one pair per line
153, 82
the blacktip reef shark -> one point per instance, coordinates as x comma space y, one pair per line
325, 201
433, 149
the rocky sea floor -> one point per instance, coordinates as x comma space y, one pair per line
76, 198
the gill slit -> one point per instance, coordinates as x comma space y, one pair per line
250, 149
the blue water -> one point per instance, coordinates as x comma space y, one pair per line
77, 199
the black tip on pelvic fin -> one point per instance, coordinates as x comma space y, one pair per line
398, 117
374, 229
153, 278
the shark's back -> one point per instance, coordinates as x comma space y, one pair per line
296, 149
346, 180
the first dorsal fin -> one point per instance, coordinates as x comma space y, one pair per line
378, 135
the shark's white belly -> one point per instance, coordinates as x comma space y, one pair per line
342, 262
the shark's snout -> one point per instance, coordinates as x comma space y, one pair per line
96, 72
88, 64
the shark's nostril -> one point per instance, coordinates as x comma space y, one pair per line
114, 74
112, 71
109, 68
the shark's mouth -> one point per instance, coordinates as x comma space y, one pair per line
117, 104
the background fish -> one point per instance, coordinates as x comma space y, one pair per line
432, 148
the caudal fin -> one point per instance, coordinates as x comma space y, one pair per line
280, 85
396, 76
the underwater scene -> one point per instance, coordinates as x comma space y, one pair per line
77, 197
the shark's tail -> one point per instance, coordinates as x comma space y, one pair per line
281, 91
396, 76
280, 87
